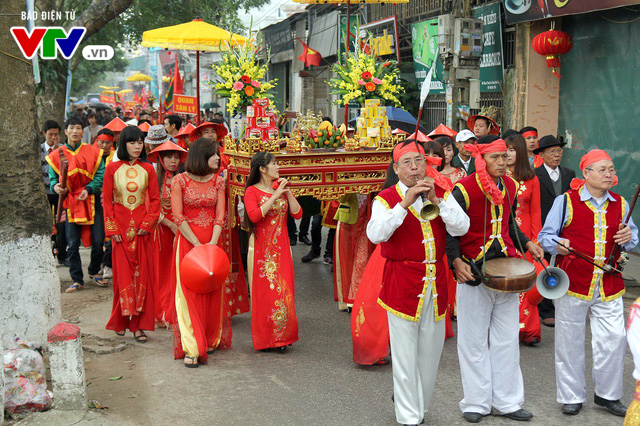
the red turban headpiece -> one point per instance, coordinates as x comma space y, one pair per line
588, 159
488, 185
402, 149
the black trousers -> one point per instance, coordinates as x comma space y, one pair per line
58, 241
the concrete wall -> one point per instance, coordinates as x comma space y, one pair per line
534, 92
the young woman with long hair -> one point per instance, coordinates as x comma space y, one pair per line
274, 323
131, 208
528, 218
197, 204
454, 174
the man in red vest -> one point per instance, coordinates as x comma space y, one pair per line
488, 321
589, 219
84, 208
414, 283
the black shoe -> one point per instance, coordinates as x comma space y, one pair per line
472, 417
520, 415
328, 260
572, 409
304, 239
549, 322
532, 343
310, 256
292, 241
614, 407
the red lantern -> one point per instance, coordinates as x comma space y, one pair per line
552, 44
204, 269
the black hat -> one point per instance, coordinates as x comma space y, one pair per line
509, 132
547, 142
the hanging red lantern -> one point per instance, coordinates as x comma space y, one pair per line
552, 44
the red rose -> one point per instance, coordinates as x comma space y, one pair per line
366, 75
245, 79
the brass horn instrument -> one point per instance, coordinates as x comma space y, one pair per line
429, 211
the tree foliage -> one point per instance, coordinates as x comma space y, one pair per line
125, 31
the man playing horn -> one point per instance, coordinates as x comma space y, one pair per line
414, 283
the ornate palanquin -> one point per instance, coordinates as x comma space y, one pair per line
325, 175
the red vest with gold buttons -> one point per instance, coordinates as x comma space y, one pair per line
590, 231
415, 256
496, 225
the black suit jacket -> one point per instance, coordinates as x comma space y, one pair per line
547, 194
455, 162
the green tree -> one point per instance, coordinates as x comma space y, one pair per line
121, 23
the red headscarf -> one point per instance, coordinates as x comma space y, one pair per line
588, 159
488, 185
402, 149
104, 137
440, 180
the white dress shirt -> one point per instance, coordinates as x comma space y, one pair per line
554, 174
465, 163
384, 222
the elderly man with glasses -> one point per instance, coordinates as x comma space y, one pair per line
554, 180
589, 219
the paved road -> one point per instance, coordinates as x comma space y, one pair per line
315, 382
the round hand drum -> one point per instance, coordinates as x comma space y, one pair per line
509, 275
204, 269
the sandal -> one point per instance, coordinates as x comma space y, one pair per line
381, 361
193, 362
210, 351
140, 338
75, 287
100, 282
121, 333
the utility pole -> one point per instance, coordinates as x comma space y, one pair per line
460, 46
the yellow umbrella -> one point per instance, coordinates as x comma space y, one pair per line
108, 87
140, 77
195, 35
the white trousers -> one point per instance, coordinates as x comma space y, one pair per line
416, 348
608, 345
488, 349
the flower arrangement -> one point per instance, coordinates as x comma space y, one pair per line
362, 77
240, 77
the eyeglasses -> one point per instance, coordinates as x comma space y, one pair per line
602, 172
554, 151
408, 162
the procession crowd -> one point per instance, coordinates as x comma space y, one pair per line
143, 196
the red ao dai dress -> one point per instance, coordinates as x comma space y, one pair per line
528, 218
273, 315
131, 203
197, 317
